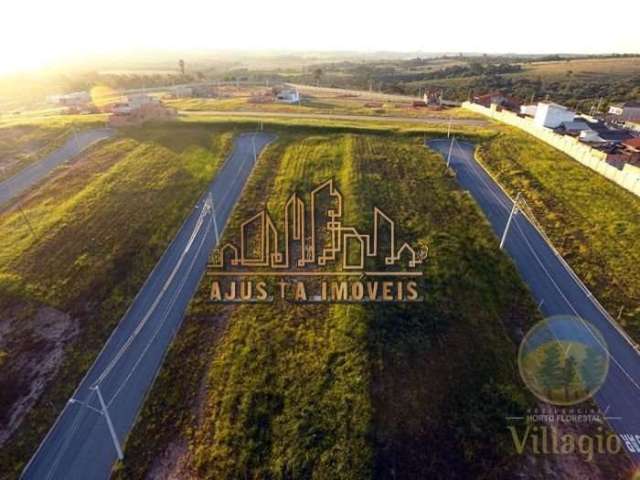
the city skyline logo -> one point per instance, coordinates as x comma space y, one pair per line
313, 244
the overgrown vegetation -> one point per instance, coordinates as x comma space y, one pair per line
594, 223
84, 241
353, 391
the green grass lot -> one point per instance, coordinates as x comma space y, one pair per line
321, 105
351, 391
319, 125
99, 225
594, 223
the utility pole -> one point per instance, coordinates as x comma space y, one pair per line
215, 222
450, 149
75, 136
255, 154
449, 128
114, 437
27, 221
514, 210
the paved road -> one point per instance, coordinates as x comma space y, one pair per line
471, 122
79, 445
552, 282
29, 176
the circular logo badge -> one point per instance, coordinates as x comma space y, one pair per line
563, 360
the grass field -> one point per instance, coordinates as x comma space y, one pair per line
594, 223
350, 391
324, 391
79, 250
323, 105
594, 68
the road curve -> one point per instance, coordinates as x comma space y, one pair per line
559, 291
79, 445
444, 120
29, 176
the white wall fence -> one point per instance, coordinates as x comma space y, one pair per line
628, 177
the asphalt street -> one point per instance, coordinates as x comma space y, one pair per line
32, 174
558, 292
79, 445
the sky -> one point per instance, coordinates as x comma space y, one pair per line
35, 34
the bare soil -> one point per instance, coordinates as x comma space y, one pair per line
33, 339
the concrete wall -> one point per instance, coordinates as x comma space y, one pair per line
628, 177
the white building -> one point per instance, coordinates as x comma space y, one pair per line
134, 102
70, 99
139, 99
552, 115
628, 111
182, 91
528, 110
288, 96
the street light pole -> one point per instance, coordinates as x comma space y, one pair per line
213, 214
112, 430
450, 149
255, 154
514, 210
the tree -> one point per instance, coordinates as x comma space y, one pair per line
317, 75
592, 368
569, 374
550, 371
181, 66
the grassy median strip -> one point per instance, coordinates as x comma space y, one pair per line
83, 242
594, 223
350, 391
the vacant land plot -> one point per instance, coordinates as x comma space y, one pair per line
319, 104
594, 223
74, 255
350, 391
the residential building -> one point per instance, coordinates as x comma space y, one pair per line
499, 99
75, 99
628, 111
552, 115
138, 109
288, 96
573, 127
182, 91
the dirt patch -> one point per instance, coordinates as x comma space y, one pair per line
173, 464
175, 461
32, 339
